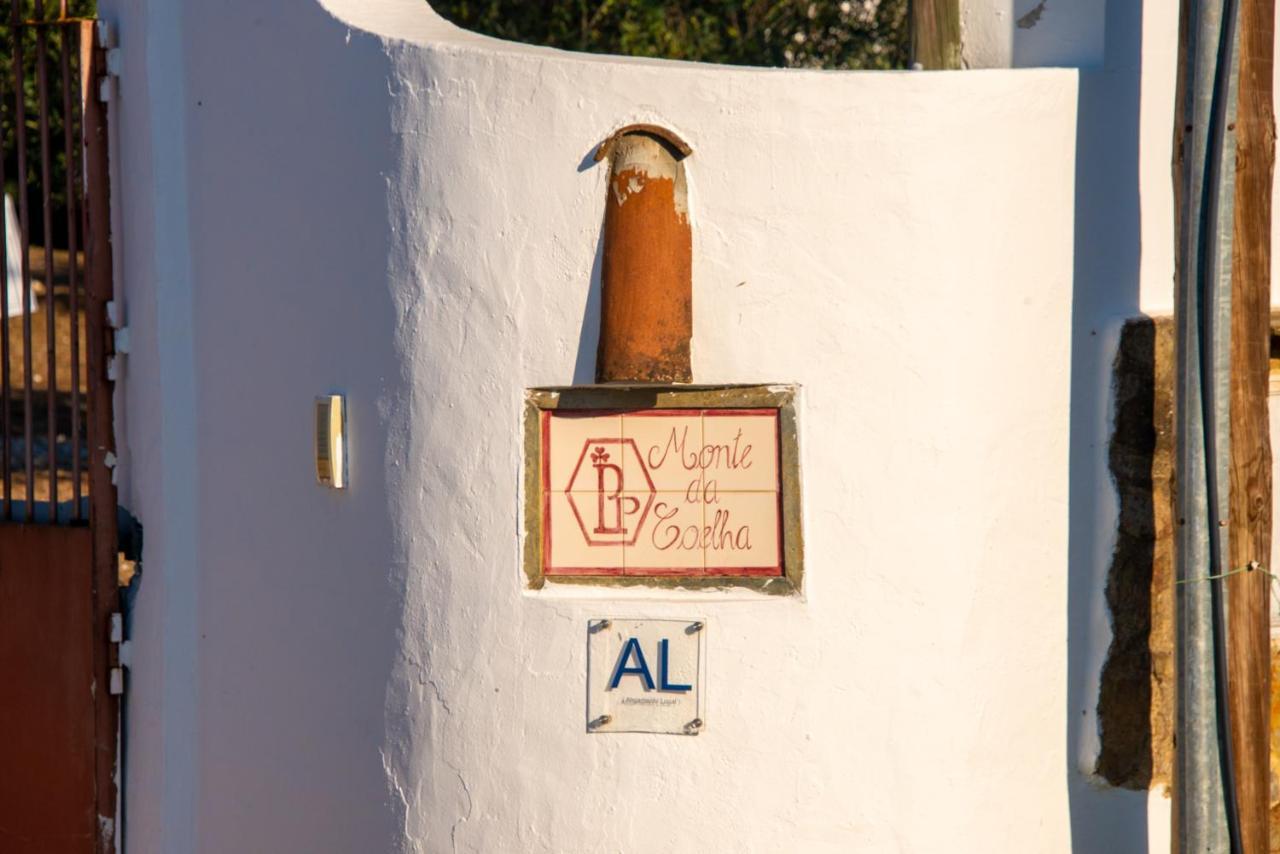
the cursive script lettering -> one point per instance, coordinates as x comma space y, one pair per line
727, 456
671, 532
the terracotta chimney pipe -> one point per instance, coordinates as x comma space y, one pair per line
646, 299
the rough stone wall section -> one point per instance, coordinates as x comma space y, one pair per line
1136, 700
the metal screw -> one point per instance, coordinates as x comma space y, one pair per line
693, 725
601, 626
599, 722
694, 627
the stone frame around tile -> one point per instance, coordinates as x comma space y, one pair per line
781, 397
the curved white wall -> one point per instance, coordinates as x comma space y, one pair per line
836, 246
370, 201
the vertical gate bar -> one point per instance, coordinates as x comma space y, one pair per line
84, 41
6, 405
46, 209
102, 493
20, 131
68, 121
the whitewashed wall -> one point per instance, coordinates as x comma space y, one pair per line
361, 198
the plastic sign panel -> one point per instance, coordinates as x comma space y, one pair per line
662, 492
646, 676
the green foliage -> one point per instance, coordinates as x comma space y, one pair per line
49, 41
786, 33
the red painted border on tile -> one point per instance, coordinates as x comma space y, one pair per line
654, 572
546, 493
739, 412
742, 571
662, 572
602, 571
659, 413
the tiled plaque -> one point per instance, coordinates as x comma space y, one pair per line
690, 491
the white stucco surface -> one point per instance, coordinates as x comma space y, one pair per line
987, 33
360, 198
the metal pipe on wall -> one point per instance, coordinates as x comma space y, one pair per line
1205, 814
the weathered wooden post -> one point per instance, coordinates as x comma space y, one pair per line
1225, 155
646, 299
1248, 642
935, 34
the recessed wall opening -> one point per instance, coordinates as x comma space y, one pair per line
832, 34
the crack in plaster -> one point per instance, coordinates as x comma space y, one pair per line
466, 790
427, 680
424, 680
397, 790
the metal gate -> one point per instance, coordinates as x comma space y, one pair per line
58, 580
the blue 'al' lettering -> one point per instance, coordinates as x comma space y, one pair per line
641, 668
663, 684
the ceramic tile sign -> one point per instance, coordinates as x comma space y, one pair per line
646, 676
687, 492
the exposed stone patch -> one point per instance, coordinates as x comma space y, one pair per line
1136, 699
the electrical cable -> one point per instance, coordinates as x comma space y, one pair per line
1209, 300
